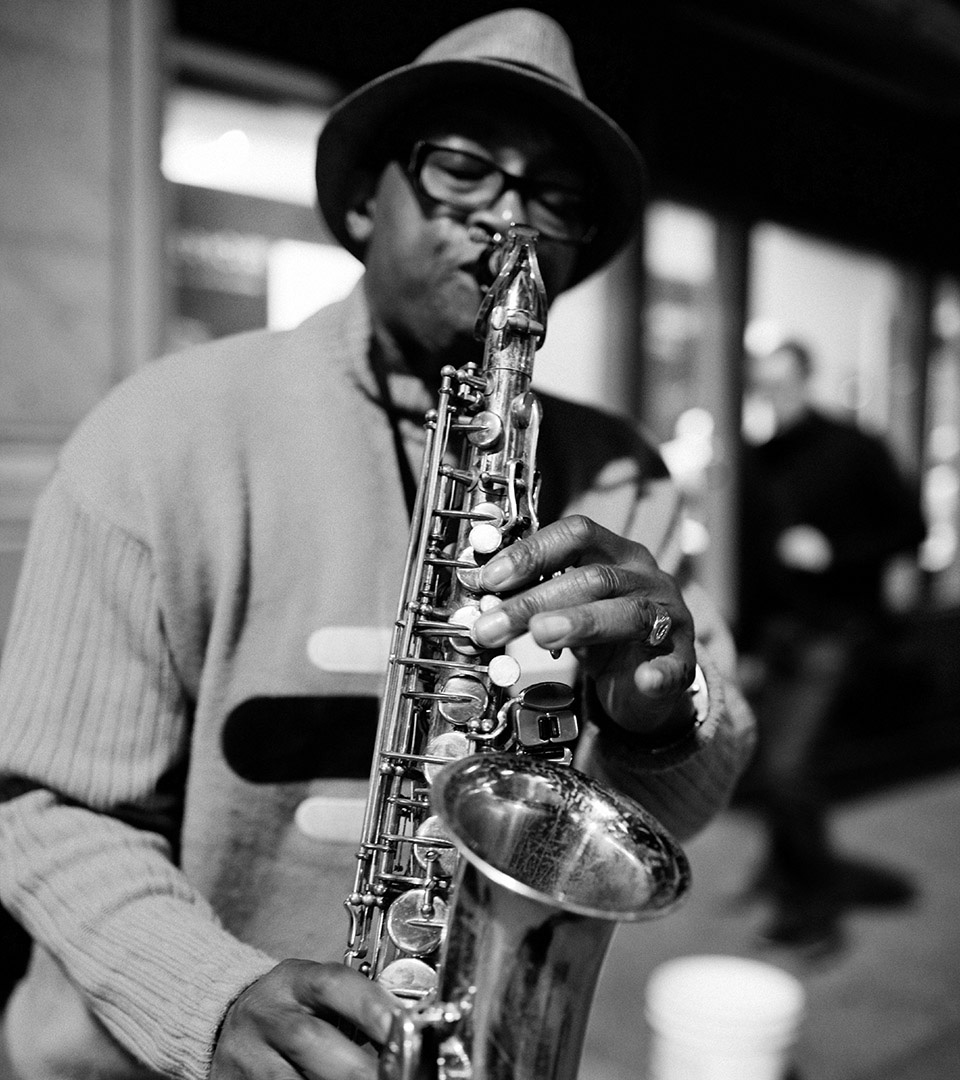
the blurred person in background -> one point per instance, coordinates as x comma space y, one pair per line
824, 510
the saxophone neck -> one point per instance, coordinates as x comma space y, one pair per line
516, 302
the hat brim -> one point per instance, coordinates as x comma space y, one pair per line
362, 121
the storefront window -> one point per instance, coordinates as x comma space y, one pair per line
247, 248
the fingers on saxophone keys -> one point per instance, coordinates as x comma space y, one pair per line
546, 602
500, 574
526, 561
603, 621
571, 541
559, 626
549, 630
493, 628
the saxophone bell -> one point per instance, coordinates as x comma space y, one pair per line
551, 862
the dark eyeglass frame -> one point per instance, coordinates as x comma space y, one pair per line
524, 186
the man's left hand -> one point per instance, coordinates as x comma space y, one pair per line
576, 585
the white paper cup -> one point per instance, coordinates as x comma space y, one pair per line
721, 1018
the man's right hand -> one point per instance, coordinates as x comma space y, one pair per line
277, 1028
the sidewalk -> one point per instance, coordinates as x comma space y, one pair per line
886, 1008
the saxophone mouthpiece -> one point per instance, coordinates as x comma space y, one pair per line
479, 235
493, 252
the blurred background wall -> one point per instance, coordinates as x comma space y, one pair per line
80, 226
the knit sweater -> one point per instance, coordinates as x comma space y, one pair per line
162, 719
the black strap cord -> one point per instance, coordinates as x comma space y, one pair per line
407, 479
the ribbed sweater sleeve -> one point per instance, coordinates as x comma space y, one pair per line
684, 789
93, 721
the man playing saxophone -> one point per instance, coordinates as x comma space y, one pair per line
163, 723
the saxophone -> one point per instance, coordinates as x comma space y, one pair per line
491, 874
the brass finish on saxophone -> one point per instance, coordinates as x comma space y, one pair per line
491, 874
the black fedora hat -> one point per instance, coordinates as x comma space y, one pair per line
517, 50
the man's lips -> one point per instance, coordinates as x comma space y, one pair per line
480, 266
479, 270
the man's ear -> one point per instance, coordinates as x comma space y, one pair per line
358, 219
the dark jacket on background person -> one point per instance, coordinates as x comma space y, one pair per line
828, 473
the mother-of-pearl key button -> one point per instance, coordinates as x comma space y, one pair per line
326, 817
503, 670
485, 538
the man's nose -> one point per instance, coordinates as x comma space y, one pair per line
507, 209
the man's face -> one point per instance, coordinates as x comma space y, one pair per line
778, 382
427, 266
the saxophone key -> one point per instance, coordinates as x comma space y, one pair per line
523, 409
468, 570
485, 538
434, 849
488, 511
485, 430
486, 535
408, 978
463, 619
504, 671
463, 698
416, 922
446, 747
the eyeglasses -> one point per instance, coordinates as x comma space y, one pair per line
469, 182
